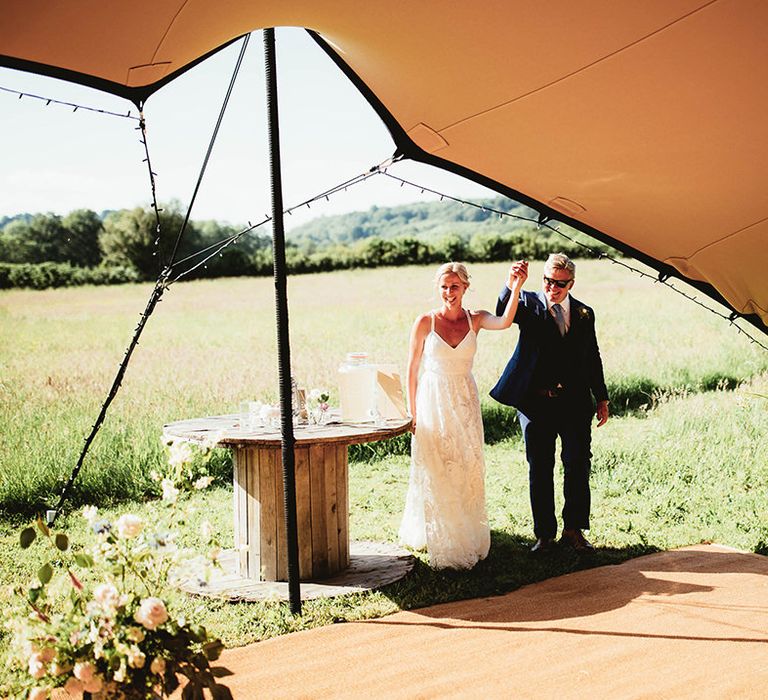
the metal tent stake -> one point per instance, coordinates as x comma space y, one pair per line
281, 309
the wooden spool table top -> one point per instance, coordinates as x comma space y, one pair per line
226, 431
322, 506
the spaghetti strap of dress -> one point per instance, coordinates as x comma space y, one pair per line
469, 320
432, 316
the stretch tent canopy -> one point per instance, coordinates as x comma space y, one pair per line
641, 123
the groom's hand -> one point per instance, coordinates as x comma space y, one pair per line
602, 413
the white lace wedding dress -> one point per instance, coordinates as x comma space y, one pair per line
445, 505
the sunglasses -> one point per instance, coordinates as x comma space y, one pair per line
562, 284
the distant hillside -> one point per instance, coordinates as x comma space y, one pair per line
421, 220
20, 217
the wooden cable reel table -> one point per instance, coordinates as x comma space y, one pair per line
322, 500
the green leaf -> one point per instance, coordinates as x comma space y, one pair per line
192, 691
84, 560
43, 527
62, 542
27, 537
220, 692
33, 594
198, 633
199, 661
45, 573
221, 672
213, 649
171, 681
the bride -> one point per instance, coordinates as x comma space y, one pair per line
445, 505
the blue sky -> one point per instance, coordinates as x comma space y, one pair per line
55, 159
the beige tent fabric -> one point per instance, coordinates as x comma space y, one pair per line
689, 623
643, 121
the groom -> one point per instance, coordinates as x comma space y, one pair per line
551, 379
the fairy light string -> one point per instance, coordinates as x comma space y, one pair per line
50, 100
381, 169
542, 221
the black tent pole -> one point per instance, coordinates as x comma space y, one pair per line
283, 342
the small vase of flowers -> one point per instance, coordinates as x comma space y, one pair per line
318, 411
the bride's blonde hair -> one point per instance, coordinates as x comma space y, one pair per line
456, 268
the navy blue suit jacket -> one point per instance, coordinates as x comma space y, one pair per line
533, 318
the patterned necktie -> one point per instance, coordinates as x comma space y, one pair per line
559, 318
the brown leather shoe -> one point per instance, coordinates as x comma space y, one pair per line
543, 545
576, 540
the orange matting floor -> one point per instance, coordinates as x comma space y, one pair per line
688, 623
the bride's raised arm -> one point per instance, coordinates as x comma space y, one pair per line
518, 273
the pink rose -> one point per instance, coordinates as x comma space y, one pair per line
151, 613
73, 686
85, 671
94, 685
158, 666
38, 694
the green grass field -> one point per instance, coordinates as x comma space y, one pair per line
681, 461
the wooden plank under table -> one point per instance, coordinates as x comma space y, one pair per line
322, 491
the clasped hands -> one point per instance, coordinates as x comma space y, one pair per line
518, 273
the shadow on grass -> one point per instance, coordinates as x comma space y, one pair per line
509, 566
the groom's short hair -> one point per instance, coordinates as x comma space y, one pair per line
560, 261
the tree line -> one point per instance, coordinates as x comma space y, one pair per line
48, 250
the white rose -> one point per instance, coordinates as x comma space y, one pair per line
151, 613
129, 526
135, 634
157, 666
38, 694
120, 675
203, 482
136, 658
180, 453
89, 513
170, 492
206, 530
106, 595
36, 666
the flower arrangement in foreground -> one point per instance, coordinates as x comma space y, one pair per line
100, 620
